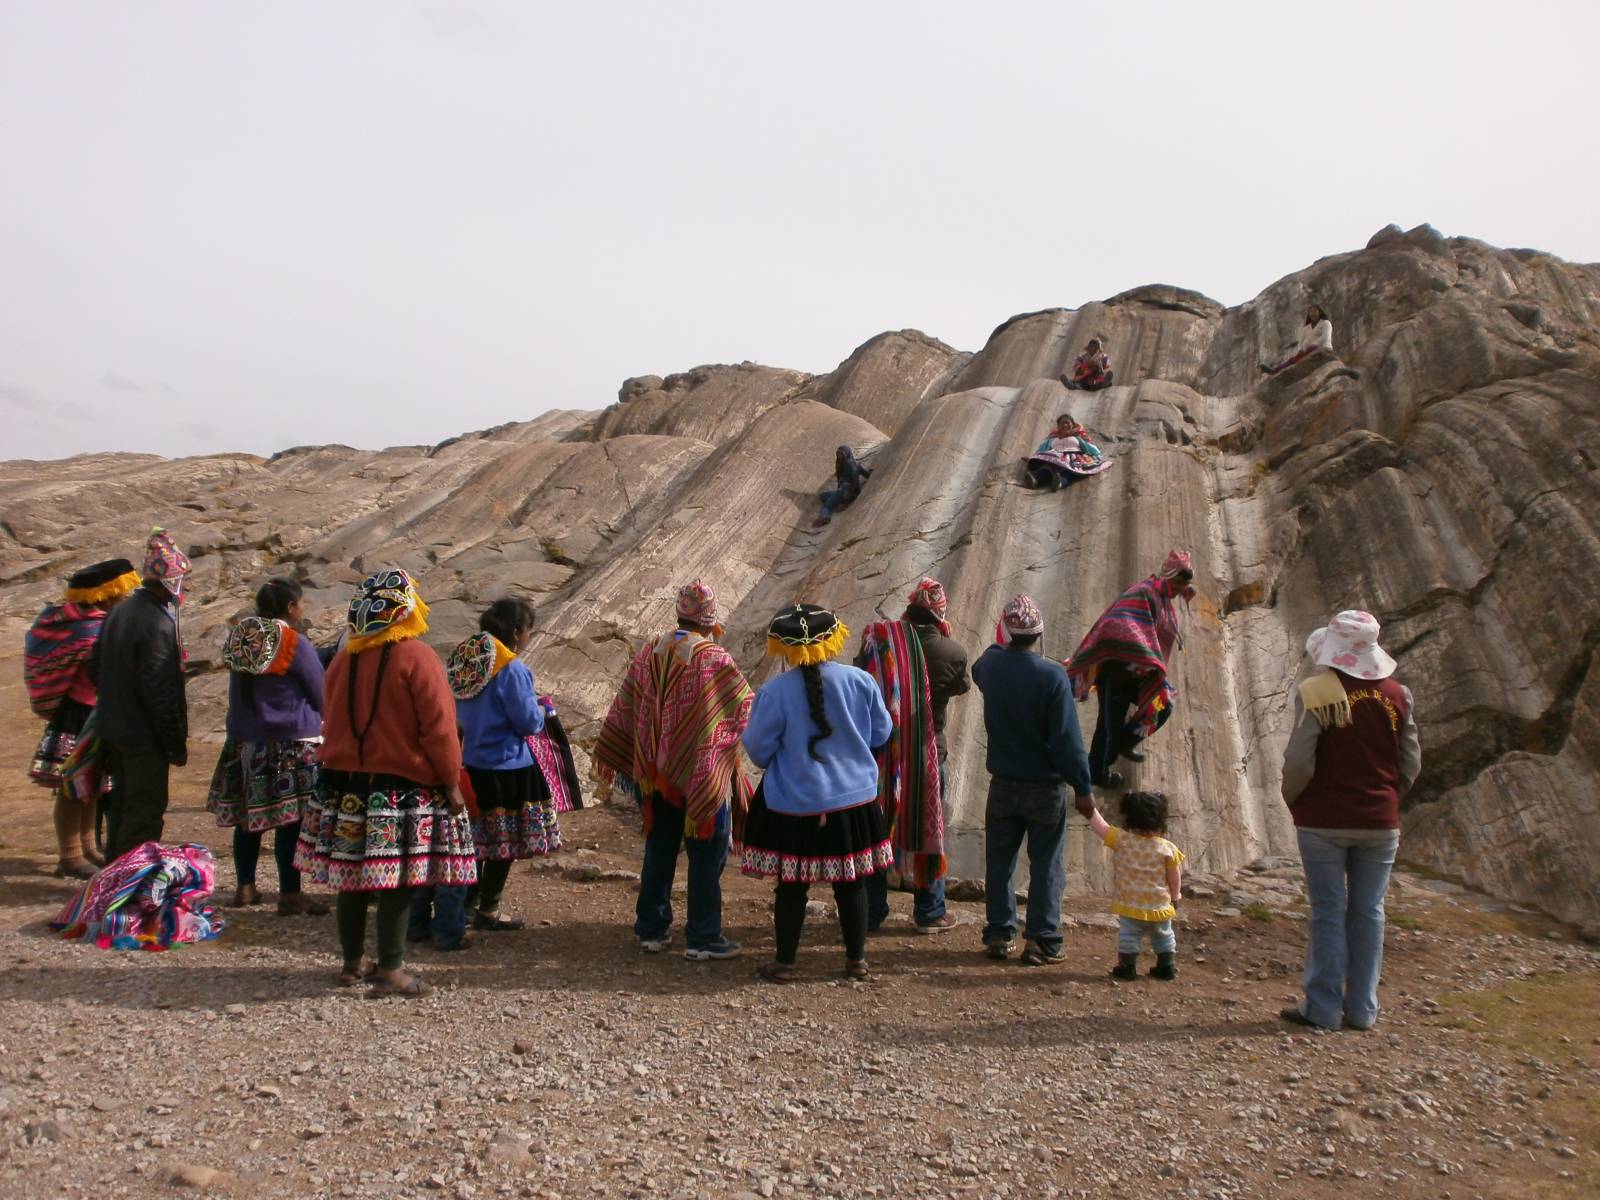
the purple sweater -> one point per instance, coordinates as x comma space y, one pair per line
278, 708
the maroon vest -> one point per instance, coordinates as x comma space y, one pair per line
1357, 784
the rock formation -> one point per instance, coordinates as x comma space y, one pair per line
1440, 471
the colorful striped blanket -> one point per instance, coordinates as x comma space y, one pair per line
151, 898
553, 754
674, 728
908, 765
57, 647
1139, 631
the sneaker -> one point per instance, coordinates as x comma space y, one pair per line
1036, 955
1111, 779
1000, 950
943, 925
1295, 1017
655, 945
721, 948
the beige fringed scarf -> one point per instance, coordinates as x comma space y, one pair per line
1323, 696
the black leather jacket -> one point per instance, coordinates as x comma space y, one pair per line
138, 674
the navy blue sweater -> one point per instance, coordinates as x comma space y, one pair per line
1031, 718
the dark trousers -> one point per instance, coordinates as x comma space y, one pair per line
707, 857
491, 886
927, 904
351, 913
789, 917
1119, 689
438, 914
136, 809
247, 853
1036, 812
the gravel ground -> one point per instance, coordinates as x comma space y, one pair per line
562, 1062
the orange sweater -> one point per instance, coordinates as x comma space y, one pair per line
413, 732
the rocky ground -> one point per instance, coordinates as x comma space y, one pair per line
562, 1062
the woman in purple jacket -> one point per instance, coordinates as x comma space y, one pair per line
268, 765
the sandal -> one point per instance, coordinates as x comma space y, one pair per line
412, 989
298, 904
80, 869
360, 973
497, 923
777, 972
856, 970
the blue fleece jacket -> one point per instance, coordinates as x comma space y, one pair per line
498, 721
1031, 718
780, 725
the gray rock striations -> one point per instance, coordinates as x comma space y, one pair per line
1440, 471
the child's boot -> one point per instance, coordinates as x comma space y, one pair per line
1126, 968
1166, 966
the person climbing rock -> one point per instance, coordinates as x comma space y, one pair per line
1316, 337
1124, 658
1091, 370
1067, 455
849, 475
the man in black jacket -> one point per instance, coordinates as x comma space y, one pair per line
141, 712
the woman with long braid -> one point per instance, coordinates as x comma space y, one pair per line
815, 817
388, 815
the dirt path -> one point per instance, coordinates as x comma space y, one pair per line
561, 1062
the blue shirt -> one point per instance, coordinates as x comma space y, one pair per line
1031, 718
498, 721
781, 725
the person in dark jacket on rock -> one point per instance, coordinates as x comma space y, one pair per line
849, 475
1353, 753
142, 713
945, 665
1035, 754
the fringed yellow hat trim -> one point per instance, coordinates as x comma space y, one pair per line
798, 655
123, 585
413, 626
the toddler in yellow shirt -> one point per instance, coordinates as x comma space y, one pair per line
1146, 883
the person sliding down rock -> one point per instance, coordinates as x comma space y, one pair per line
1124, 658
1316, 337
849, 475
1064, 457
1091, 370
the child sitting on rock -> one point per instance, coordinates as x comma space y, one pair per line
1146, 882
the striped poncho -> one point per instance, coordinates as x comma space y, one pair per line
1138, 631
673, 730
57, 647
908, 764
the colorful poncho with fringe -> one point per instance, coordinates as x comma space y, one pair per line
57, 646
151, 898
908, 764
674, 728
1138, 631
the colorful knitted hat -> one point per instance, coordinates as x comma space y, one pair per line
103, 581
474, 663
385, 608
1178, 561
929, 594
697, 604
806, 633
1022, 615
1349, 643
259, 646
162, 558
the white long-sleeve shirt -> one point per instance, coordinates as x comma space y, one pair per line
1316, 337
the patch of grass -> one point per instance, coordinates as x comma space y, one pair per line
1405, 921
1257, 912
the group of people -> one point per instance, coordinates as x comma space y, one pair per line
408, 783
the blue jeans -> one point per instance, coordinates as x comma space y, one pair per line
1037, 811
1346, 879
1131, 933
440, 914
927, 904
707, 856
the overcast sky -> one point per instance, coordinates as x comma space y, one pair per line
231, 226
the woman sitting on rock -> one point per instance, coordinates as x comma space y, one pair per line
499, 711
815, 816
1352, 754
1064, 457
1091, 370
849, 475
1316, 337
268, 766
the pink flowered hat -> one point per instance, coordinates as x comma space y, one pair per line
697, 604
1350, 644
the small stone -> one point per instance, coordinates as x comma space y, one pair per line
35, 1132
191, 1175
106, 1104
312, 1132
521, 1049
237, 1010
640, 1070
267, 1092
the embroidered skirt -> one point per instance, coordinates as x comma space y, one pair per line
366, 832
262, 785
835, 847
516, 818
59, 740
